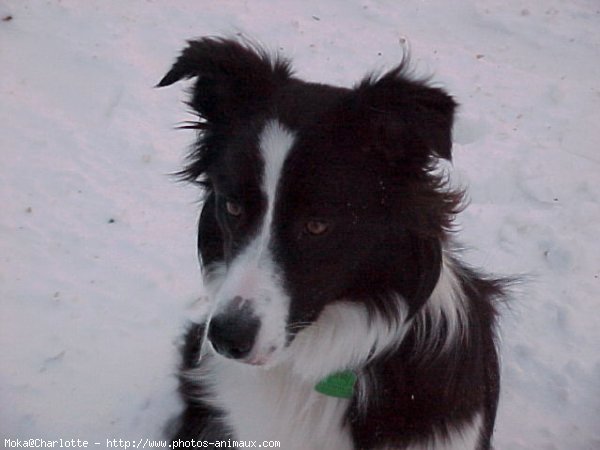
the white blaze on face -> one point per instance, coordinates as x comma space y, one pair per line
253, 274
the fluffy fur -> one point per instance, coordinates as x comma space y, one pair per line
325, 243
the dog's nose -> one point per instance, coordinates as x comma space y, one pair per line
232, 334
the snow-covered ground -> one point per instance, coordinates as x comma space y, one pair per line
98, 270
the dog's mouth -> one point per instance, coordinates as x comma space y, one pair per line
261, 358
255, 357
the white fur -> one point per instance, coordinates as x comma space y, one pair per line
253, 275
344, 337
274, 404
275, 143
447, 304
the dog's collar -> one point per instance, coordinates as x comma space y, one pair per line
338, 384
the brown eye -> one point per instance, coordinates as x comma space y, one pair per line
233, 209
317, 227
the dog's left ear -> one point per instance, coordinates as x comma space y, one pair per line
233, 78
409, 120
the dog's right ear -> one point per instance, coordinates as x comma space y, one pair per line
233, 78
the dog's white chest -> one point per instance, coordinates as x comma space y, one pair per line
272, 405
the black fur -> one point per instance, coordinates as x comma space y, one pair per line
370, 151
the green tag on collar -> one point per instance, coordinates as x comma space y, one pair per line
339, 384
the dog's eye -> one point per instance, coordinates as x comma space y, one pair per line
233, 209
317, 227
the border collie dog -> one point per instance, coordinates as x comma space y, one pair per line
340, 315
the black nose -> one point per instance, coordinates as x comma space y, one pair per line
233, 334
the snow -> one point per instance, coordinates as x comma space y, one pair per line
98, 271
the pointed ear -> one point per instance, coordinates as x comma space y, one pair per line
411, 120
232, 77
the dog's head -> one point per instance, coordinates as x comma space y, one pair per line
315, 194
